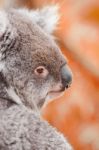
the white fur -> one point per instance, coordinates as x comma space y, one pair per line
13, 95
3, 26
3, 22
47, 17
2, 66
0, 56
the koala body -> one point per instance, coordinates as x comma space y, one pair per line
32, 67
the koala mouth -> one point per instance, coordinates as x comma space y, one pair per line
59, 91
53, 95
50, 97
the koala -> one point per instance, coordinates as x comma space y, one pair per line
32, 68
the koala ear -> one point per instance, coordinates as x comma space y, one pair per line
47, 18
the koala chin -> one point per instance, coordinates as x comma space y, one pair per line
32, 67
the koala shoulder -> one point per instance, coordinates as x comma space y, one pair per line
21, 128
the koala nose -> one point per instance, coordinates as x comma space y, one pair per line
66, 76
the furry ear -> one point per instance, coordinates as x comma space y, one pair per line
47, 17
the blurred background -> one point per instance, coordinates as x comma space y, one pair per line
76, 113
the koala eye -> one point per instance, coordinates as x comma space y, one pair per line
41, 71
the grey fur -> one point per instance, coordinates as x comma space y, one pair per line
24, 45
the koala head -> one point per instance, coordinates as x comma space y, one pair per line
30, 60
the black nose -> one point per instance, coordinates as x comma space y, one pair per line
66, 76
